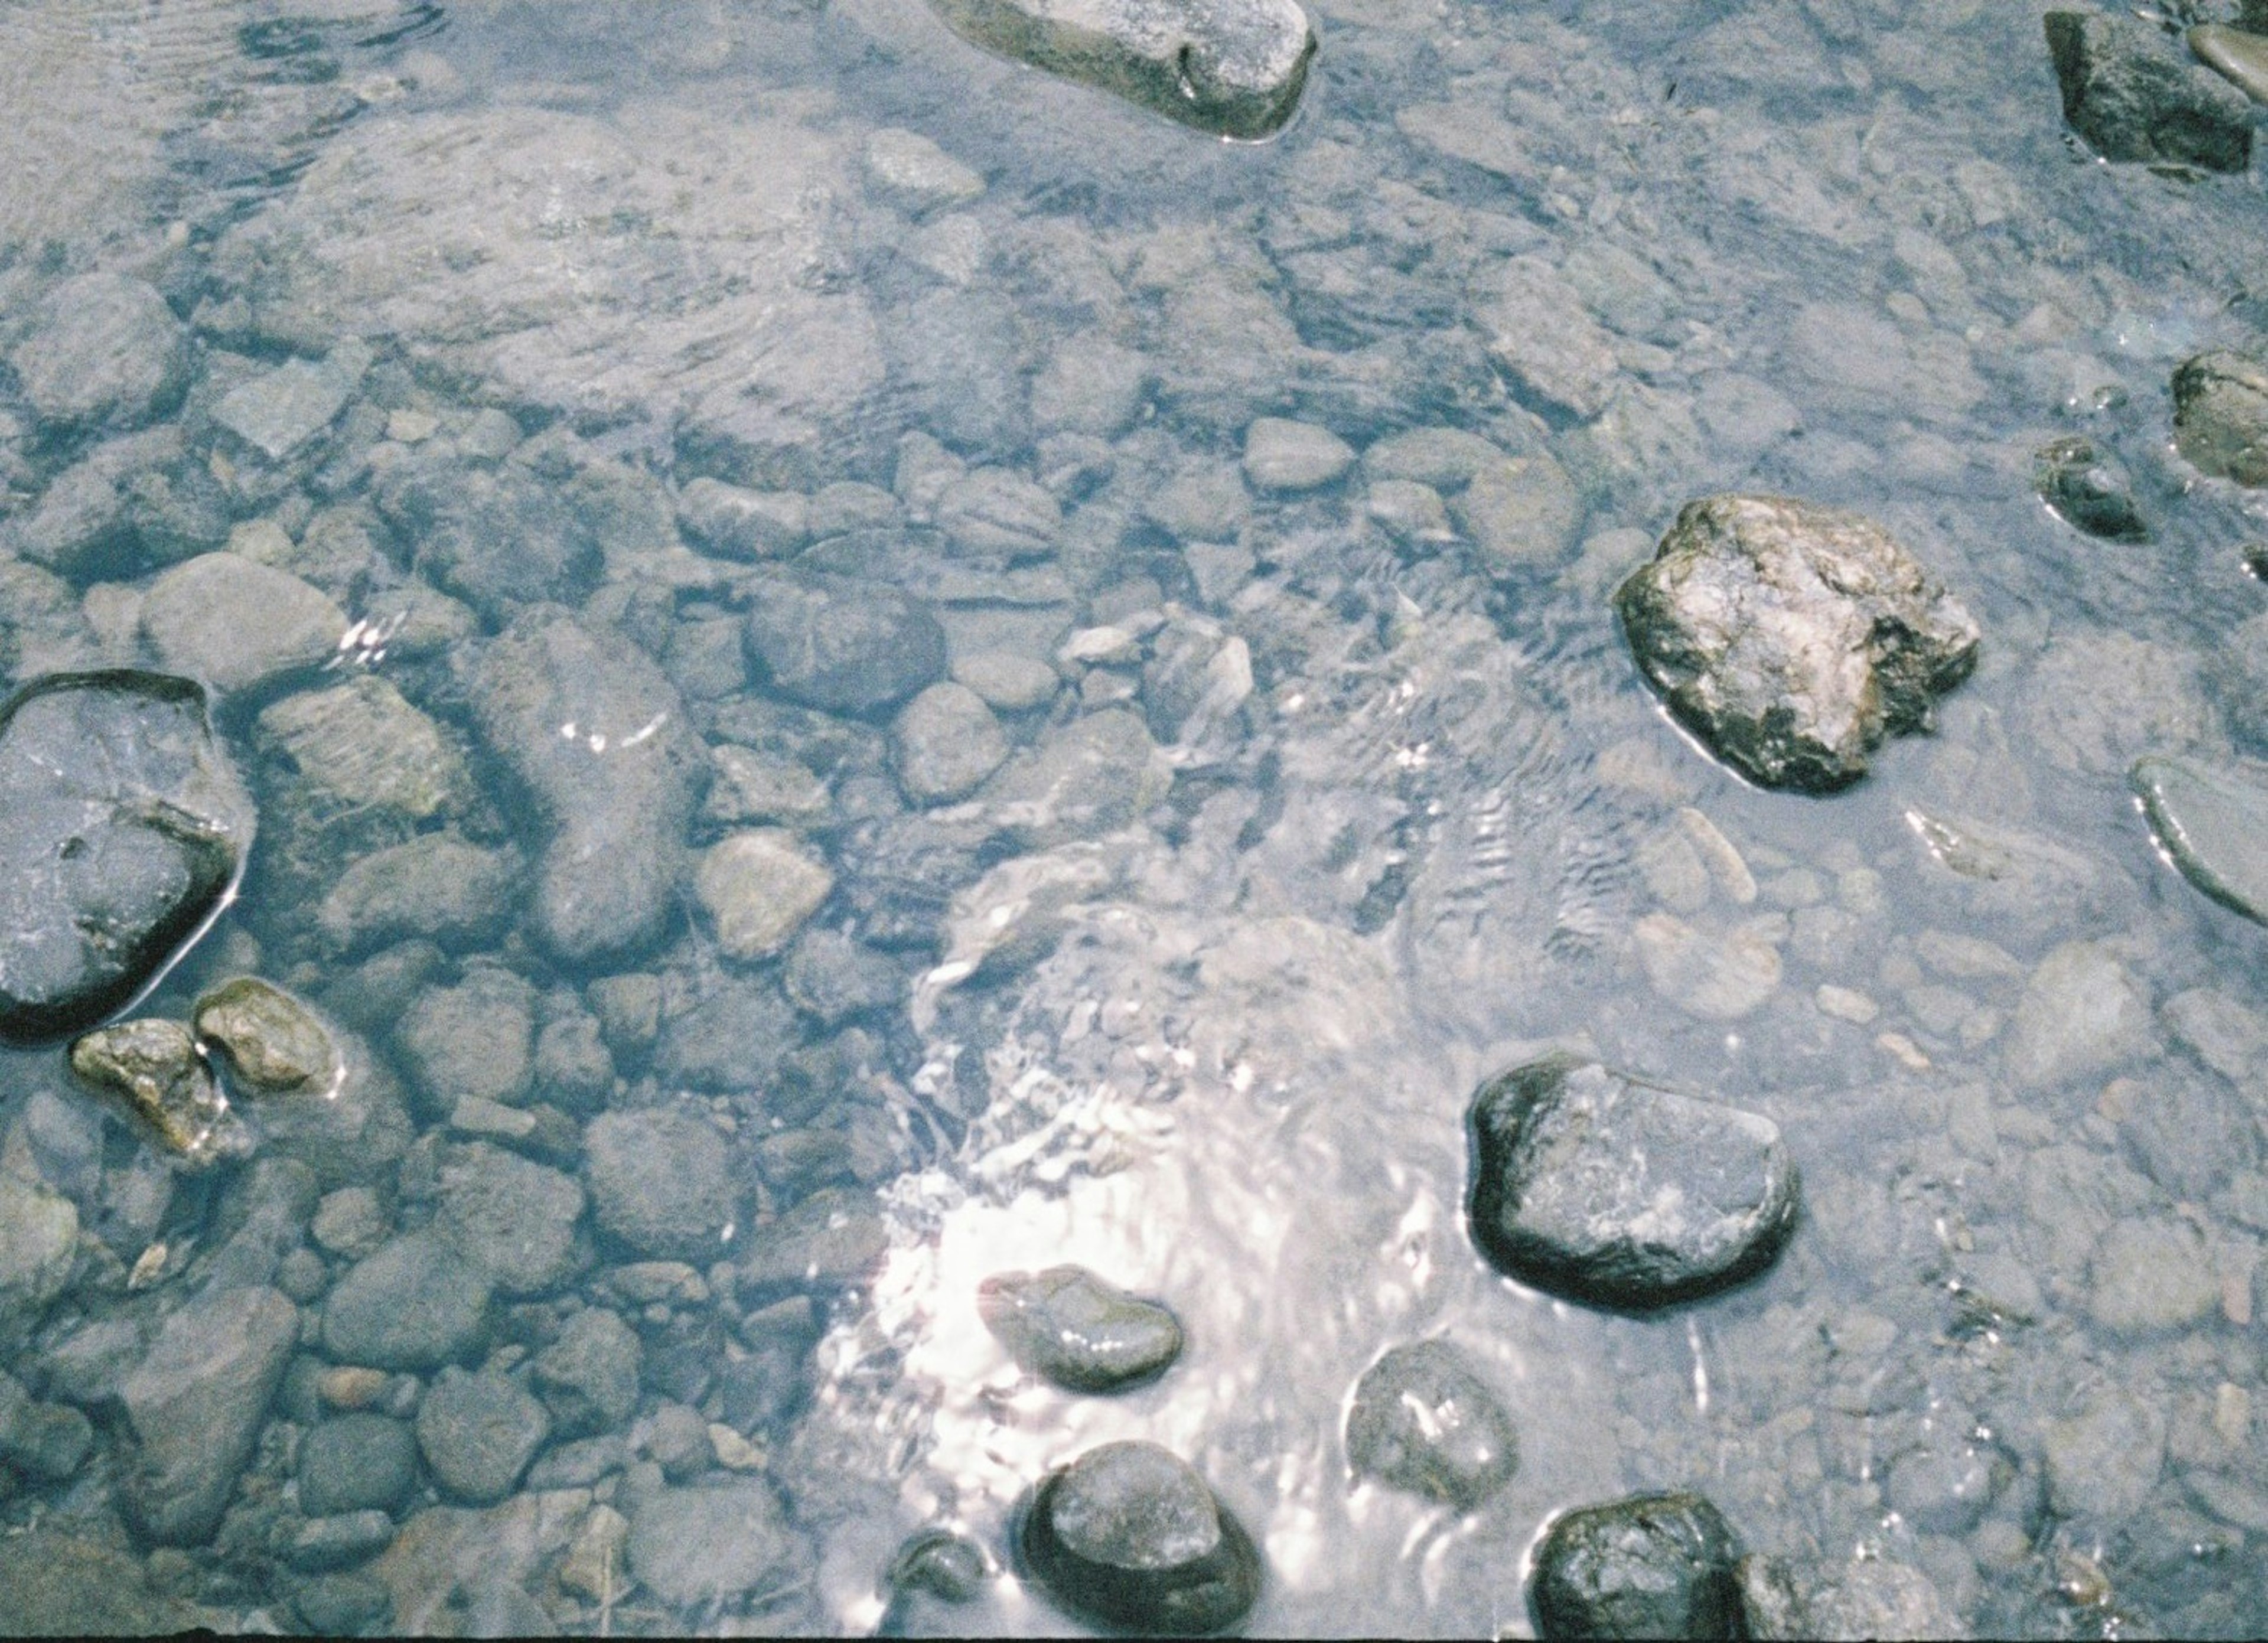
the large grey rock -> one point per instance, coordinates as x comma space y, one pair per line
1645, 1567
474, 1039
478, 1432
833, 1239
661, 1182
1422, 1420
759, 887
1068, 1325
512, 1216
105, 351
2213, 822
196, 1402
279, 411
1841, 1601
1129, 1535
1234, 67
121, 827
710, 1545
1598, 1188
1793, 637
2220, 415
495, 540
434, 886
596, 734
843, 646
357, 1461
416, 1304
48, 1442
2134, 97
2239, 55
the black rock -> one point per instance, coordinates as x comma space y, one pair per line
1422, 1420
121, 828
1071, 1327
2133, 96
1596, 1187
356, 1463
1645, 1566
1128, 1534
840, 645
1793, 639
2088, 487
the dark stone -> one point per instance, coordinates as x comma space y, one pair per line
2133, 97
661, 1180
1422, 1420
478, 1432
1647, 1566
2089, 488
833, 1239
356, 1463
843, 646
1793, 638
196, 1402
1077, 1330
515, 1217
47, 1442
344, 1606
832, 977
1604, 1189
2220, 415
495, 540
615, 796
323, 1544
588, 1378
103, 351
121, 827
710, 1544
1128, 1534
414, 1304
940, 1562
727, 1039
1841, 1602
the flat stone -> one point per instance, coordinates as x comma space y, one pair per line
414, 1304
1793, 639
945, 742
2213, 821
474, 1039
660, 1181
1292, 456
196, 1402
2103, 1460
1077, 1330
1007, 682
1129, 1535
759, 887
279, 412
2081, 1014
1540, 333
152, 1071
744, 524
104, 351
1659, 1566
2220, 415
1604, 1189
1714, 976
1422, 1420
121, 827
435, 887
2132, 98
338, 1541
833, 1239
1232, 67
362, 746
238, 624
999, 514
712, 1544
843, 646
478, 1432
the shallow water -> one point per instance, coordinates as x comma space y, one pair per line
1222, 1053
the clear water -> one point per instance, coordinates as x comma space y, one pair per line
1840, 249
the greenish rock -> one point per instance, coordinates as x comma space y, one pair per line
1077, 1330
2220, 415
272, 1041
1422, 1420
1658, 1565
2088, 487
1129, 1535
152, 1071
2213, 821
55, 1584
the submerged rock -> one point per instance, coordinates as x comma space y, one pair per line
843, 646
152, 1070
1782, 1597
272, 1041
1645, 1567
759, 887
1596, 1187
104, 351
196, 1403
710, 1545
2220, 415
1234, 67
478, 1432
2213, 822
2088, 487
1071, 1327
2132, 99
1128, 1534
1422, 1420
1793, 637
121, 828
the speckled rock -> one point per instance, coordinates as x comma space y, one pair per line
1129, 1535
833, 1239
152, 1071
238, 624
1793, 637
759, 887
1077, 1330
357, 1462
710, 1544
196, 1402
944, 744
272, 1041
1596, 1187
478, 1432
660, 1181
414, 1304
2220, 415
1645, 1566
2134, 97
1422, 1420
105, 351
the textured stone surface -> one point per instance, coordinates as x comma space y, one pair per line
106, 352
2213, 821
196, 1403
1600, 1189
1128, 1534
2220, 415
53, 1584
2134, 97
1077, 1329
711, 1545
122, 826
1793, 637
1234, 67
272, 1041
2089, 487
1647, 1566
416, 1304
1841, 1602
151, 1071
945, 742
1422, 1420
833, 1238
843, 646
759, 887
660, 1181
238, 624
478, 1432
357, 1462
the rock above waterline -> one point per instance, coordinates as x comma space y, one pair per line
1602, 1190
2213, 822
1793, 637
2132, 98
2088, 487
1232, 67
1645, 1566
273, 1041
121, 827
151, 1070
1128, 1534
1422, 1420
2220, 415
2238, 57
1076, 1330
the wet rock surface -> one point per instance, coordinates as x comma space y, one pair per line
1077, 1329
1424, 1421
1234, 67
2210, 820
196, 1403
124, 826
712, 1544
414, 1304
478, 1432
1604, 1189
1793, 637
842, 646
106, 352
1128, 1534
1812, 1598
2133, 97
2220, 415
1647, 1566
2089, 487
270, 1041
152, 1071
